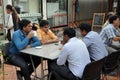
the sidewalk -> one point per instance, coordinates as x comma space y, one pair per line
10, 72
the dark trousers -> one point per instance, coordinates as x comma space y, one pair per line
23, 61
61, 73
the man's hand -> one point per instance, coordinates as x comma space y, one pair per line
31, 34
28, 47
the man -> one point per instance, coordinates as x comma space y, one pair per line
107, 21
22, 39
110, 32
75, 53
93, 42
45, 34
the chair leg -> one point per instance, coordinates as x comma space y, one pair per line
19, 76
2, 67
3, 71
118, 71
104, 77
49, 77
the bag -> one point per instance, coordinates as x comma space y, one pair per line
9, 35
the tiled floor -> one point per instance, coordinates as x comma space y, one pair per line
10, 73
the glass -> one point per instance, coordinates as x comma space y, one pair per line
26, 6
56, 7
29, 9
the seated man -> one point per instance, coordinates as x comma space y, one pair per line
107, 17
45, 34
93, 41
110, 32
24, 38
75, 53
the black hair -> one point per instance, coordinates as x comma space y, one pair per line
34, 27
23, 23
42, 23
70, 32
113, 18
109, 14
9, 7
85, 26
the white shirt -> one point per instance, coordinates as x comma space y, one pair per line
9, 24
76, 53
95, 45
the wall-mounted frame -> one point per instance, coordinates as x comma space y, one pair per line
98, 19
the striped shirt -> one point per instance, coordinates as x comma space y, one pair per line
108, 33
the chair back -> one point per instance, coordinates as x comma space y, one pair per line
111, 61
93, 70
5, 51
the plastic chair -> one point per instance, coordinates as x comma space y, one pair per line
111, 63
5, 53
92, 70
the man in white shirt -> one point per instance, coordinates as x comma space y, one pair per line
93, 41
75, 53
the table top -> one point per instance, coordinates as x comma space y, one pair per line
48, 51
116, 45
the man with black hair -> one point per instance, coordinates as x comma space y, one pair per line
107, 17
45, 34
75, 53
110, 33
93, 42
24, 38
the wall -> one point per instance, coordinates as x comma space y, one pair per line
34, 6
88, 7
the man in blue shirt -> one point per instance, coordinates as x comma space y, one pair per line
22, 39
93, 41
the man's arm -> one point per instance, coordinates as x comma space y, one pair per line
20, 44
116, 38
36, 42
53, 39
49, 41
87, 41
111, 35
63, 56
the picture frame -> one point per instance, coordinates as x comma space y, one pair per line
98, 19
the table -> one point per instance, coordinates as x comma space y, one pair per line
48, 51
116, 45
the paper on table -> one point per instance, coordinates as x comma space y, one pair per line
38, 47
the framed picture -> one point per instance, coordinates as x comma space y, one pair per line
98, 19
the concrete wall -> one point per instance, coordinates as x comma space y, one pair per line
88, 7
